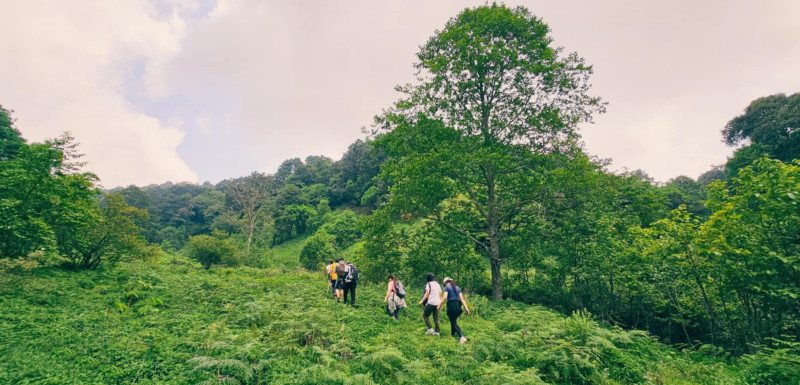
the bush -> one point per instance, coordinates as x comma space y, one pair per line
343, 225
774, 366
317, 249
210, 250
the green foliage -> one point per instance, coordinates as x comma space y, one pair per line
210, 250
113, 236
494, 101
771, 123
779, 365
379, 254
10, 138
318, 248
686, 191
175, 323
343, 225
292, 222
47, 204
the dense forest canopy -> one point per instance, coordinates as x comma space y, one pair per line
476, 172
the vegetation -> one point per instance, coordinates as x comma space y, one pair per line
493, 98
172, 321
476, 173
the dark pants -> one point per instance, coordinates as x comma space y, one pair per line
396, 313
431, 309
453, 311
350, 287
333, 286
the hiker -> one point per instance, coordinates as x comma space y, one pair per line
430, 301
394, 300
350, 283
328, 274
454, 300
340, 273
331, 269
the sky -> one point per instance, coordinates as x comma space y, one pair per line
206, 90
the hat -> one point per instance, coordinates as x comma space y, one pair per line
446, 279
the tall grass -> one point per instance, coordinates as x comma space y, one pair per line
175, 323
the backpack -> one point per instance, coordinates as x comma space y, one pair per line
332, 273
339, 270
352, 274
400, 290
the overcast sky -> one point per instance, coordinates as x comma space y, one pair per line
204, 90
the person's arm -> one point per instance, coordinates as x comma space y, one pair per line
444, 301
427, 293
388, 292
463, 302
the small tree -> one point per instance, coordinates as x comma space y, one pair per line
109, 234
318, 248
209, 250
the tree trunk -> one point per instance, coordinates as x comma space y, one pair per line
497, 285
494, 258
250, 232
493, 219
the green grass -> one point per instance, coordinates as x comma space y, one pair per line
175, 323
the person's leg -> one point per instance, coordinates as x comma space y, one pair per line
453, 311
436, 319
426, 313
353, 293
346, 289
455, 324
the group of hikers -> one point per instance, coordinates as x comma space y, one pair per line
343, 279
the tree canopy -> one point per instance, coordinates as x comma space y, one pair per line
493, 96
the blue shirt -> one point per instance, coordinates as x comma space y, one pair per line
452, 293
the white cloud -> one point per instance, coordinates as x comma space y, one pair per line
242, 85
63, 69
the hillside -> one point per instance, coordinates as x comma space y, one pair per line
171, 322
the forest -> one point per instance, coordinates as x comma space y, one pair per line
578, 274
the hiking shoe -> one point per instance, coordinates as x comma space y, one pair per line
430, 331
435, 334
462, 340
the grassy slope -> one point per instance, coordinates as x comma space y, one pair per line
59, 327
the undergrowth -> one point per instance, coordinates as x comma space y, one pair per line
175, 323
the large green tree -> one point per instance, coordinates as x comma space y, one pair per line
10, 137
493, 96
45, 198
771, 125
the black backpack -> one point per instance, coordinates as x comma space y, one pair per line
352, 274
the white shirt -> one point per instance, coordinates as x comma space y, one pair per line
435, 295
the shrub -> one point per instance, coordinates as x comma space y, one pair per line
343, 225
318, 248
209, 250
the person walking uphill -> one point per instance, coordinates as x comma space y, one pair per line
340, 274
350, 283
328, 268
430, 302
331, 269
395, 297
454, 300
